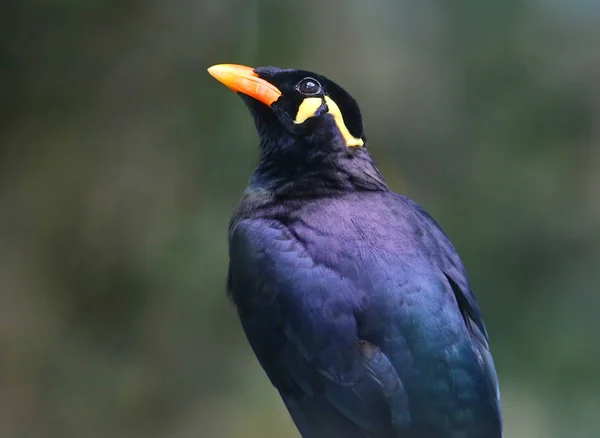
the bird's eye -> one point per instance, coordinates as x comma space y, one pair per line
309, 87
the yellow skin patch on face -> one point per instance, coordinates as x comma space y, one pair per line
309, 107
334, 110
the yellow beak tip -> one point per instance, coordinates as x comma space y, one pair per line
214, 70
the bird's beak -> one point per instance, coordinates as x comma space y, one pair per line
242, 79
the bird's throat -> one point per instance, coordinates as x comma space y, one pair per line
317, 174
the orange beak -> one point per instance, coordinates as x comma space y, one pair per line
242, 79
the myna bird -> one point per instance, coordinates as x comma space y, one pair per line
353, 299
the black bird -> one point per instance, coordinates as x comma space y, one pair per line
353, 299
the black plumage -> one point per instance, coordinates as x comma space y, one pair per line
353, 299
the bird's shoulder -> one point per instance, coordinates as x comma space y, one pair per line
376, 247
356, 231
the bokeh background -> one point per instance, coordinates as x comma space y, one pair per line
121, 161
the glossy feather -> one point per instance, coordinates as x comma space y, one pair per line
350, 304
355, 302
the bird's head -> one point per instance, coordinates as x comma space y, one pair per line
304, 120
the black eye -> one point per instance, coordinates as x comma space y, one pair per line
309, 87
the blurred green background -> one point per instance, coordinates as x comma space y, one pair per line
121, 161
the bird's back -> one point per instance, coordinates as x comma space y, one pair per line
359, 309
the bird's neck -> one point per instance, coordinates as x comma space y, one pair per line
292, 172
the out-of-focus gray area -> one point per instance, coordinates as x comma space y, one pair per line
121, 161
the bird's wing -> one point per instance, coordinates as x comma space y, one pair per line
439, 249
474, 323
306, 337
443, 253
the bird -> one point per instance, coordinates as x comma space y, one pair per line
351, 296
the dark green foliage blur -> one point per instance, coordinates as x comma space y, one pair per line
121, 161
